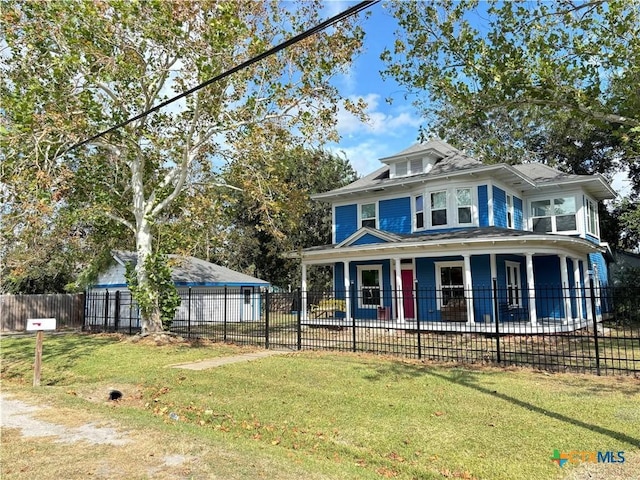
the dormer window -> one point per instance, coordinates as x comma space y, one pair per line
415, 166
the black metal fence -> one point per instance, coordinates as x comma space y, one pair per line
591, 331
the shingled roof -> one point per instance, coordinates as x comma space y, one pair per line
187, 271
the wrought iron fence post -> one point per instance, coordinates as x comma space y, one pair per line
417, 295
354, 338
299, 313
86, 319
496, 316
595, 323
224, 317
116, 313
266, 319
189, 312
106, 310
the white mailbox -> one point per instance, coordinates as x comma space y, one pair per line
34, 324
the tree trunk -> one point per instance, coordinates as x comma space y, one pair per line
151, 320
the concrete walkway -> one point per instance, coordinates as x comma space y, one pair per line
217, 362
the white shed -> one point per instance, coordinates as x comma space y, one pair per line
210, 294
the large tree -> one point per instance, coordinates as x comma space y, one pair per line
275, 215
72, 69
515, 81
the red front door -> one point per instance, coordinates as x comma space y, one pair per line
407, 294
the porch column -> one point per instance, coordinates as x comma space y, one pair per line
576, 276
303, 307
493, 263
587, 289
566, 293
399, 292
531, 287
347, 291
469, 288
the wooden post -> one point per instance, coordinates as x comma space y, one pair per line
39, 325
37, 365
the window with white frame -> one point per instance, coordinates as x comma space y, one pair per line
510, 223
552, 215
592, 219
401, 169
452, 207
438, 206
370, 281
419, 212
464, 203
416, 166
368, 215
514, 293
449, 281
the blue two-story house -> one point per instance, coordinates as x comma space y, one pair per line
439, 237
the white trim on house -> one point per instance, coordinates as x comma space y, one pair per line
362, 289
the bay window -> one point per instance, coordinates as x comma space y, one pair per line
438, 208
592, 219
419, 209
464, 203
556, 214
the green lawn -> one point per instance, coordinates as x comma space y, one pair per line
326, 415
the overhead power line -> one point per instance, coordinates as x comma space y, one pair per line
292, 41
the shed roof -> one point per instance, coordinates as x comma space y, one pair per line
189, 271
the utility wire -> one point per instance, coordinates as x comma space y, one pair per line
292, 41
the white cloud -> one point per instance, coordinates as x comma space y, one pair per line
378, 121
387, 131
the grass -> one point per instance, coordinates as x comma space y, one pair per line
315, 415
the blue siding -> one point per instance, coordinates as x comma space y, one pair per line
367, 238
387, 299
481, 284
518, 214
603, 273
346, 221
499, 207
549, 298
483, 205
592, 239
395, 215
427, 295
603, 277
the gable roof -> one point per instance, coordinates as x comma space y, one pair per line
185, 272
451, 162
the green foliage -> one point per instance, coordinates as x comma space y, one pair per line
554, 82
157, 291
273, 213
74, 68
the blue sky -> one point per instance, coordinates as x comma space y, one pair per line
391, 127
